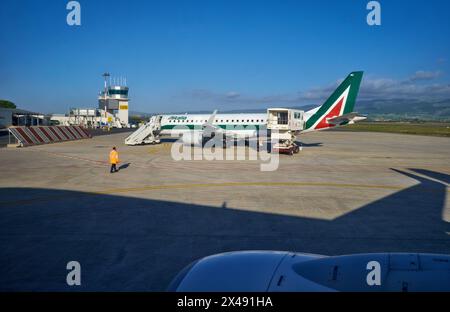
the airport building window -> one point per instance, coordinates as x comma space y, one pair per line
282, 118
117, 92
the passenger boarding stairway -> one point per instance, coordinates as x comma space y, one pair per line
147, 133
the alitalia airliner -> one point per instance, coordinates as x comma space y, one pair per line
287, 123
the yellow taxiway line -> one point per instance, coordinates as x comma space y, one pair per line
234, 184
195, 185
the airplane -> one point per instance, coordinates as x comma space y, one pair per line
276, 271
284, 124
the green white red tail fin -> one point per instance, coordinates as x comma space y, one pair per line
340, 103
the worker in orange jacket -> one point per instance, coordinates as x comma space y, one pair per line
114, 159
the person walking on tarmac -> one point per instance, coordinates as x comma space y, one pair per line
113, 159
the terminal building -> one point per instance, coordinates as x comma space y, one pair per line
111, 111
20, 117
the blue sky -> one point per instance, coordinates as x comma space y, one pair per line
202, 55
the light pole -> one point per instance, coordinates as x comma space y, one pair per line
106, 76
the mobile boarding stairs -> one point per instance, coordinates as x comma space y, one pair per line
147, 133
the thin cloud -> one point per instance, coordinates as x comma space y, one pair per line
418, 87
425, 75
232, 95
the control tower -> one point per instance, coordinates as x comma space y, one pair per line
114, 99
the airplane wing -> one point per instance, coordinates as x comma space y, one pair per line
349, 118
211, 119
208, 127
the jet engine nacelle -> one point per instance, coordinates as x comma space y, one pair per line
260, 271
193, 138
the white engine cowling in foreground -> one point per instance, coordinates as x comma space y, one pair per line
260, 271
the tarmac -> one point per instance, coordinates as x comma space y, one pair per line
345, 192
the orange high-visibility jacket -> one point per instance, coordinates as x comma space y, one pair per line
114, 157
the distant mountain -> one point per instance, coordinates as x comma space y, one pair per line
405, 109
396, 109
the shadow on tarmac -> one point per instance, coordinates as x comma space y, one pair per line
129, 243
123, 166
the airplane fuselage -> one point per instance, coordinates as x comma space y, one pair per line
244, 124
